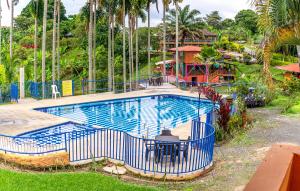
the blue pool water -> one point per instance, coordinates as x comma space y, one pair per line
137, 116
54, 134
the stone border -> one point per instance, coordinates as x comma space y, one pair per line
58, 159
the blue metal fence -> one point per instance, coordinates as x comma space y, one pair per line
36, 89
144, 155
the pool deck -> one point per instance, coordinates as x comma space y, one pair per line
19, 118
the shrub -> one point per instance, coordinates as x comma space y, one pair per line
291, 86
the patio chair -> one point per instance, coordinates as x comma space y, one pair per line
150, 146
184, 148
55, 91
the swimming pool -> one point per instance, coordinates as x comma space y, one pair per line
54, 134
136, 116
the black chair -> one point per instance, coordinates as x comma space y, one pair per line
184, 148
150, 146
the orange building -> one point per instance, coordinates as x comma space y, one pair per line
291, 70
192, 71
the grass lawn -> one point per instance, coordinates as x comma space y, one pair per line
63, 181
288, 104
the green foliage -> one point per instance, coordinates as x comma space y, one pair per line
225, 44
247, 19
214, 19
209, 52
2, 75
189, 23
291, 86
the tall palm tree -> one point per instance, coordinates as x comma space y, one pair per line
36, 14
138, 12
44, 48
124, 43
149, 32
165, 8
58, 39
279, 21
90, 45
189, 23
13, 3
177, 33
54, 41
0, 33
94, 41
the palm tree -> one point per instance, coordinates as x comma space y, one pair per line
90, 45
189, 23
94, 41
12, 3
36, 13
124, 43
44, 47
165, 8
0, 33
58, 39
149, 32
137, 11
279, 21
54, 41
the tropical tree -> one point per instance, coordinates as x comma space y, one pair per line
54, 32
138, 7
149, 2
44, 47
247, 19
1, 34
214, 19
189, 23
90, 45
165, 8
11, 6
58, 38
279, 21
35, 11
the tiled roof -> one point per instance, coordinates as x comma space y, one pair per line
187, 49
291, 68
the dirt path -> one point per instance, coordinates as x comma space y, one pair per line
236, 162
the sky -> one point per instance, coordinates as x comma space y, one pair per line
227, 8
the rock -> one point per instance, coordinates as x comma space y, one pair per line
239, 188
118, 170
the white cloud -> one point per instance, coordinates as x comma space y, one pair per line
227, 8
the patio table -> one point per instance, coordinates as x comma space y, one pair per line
167, 145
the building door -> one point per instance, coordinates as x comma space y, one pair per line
194, 81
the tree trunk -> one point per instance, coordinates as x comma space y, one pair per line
137, 52
35, 45
0, 34
177, 54
90, 42
44, 47
94, 43
130, 55
54, 42
11, 34
124, 47
298, 53
113, 52
266, 68
58, 40
131, 44
109, 52
149, 41
164, 39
